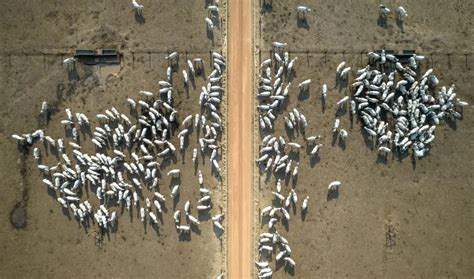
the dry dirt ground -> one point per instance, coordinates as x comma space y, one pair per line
165, 25
392, 219
354, 25
52, 244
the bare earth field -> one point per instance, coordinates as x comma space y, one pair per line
354, 25
167, 25
393, 218
53, 244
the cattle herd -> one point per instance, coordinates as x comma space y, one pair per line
397, 106
279, 153
131, 153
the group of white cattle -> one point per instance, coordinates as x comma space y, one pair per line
279, 156
130, 153
213, 15
403, 92
401, 12
388, 87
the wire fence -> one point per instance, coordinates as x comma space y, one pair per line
69, 52
125, 55
131, 55
362, 55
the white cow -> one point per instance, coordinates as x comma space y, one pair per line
137, 7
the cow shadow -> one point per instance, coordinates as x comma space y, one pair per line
72, 74
139, 18
333, 194
382, 21
267, 6
302, 22
400, 24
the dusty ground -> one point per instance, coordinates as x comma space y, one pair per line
431, 26
165, 25
392, 219
52, 245
240, 178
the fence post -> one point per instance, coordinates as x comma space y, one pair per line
210, 58
465, 56
133, 60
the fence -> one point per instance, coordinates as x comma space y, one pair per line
131, 54
430, 56
61, 54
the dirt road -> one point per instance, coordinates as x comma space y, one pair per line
240, 138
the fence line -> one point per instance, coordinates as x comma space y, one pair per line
326, 53
157, 51
358, 52
154, 51
126, 52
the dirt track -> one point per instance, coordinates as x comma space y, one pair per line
240, 139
